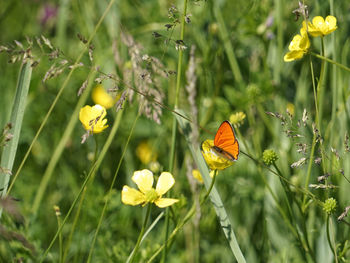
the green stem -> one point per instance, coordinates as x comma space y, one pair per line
18, 107
330, 61
141, 234
90, 174
109, 195
75, 221
174, 126
210, 188
188, 216
60, 240
77, 214
64, 85
334, 89
59, 150
225, 37
289, 198
68, 214
332, 246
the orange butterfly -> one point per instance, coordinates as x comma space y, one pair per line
225, 142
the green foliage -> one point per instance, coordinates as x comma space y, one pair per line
277, 212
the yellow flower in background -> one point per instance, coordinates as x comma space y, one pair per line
144, 153
102, 97
197, 175
298, 46
92, 118
290, 108
147, 194
237, 119
320, 26
213, 159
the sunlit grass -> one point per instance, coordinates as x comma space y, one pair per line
173, 73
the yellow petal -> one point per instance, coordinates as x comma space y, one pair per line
164, 202
100, 96
197, 175
331, 23
165, 182
92, 118
294, 44
318, 21
143, 179
213, 159
131, 196
293, 55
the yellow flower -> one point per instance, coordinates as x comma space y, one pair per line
197, 175
321, 27
147, 194
237, 119
101, 97
214, 160
144, 153
290, 108
298, 46
92, 118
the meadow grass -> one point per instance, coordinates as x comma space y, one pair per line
177, 70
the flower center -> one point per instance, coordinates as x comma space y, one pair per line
151, 195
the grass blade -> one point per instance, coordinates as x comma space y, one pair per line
18, 107
220, 210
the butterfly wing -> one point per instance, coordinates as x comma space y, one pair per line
225, 141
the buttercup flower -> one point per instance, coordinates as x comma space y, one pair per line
298, 46
92, 118
197, 175
320, 26
144, 153
147, 194
214, 160
101, 97
237, 119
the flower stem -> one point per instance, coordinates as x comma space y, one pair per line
90, 174
134, 252
332, 246
330, 61
188, 216
174, 126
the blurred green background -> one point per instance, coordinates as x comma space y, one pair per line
239, 65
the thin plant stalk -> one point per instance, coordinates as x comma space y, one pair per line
334, 84
146, 233
91, 173
75, 222
137, 246
332, 246
59, 150
64, 85
82, 198
290, 200
60, 239
111, 188
330, 61
188, 216
174, 126
18, 107
225, 37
